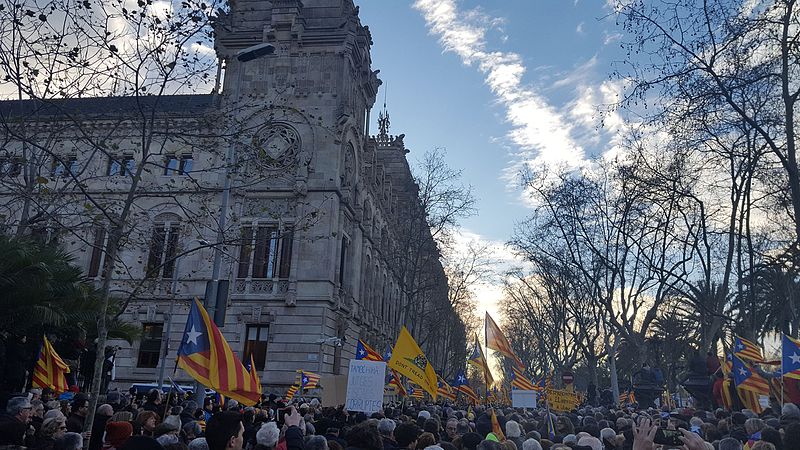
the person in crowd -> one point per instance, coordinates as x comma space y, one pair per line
79, 409
316, 443
15, 427
101, 417
117, 433
386, 429
225, 431
51, 430
70, 441
267, 436
406, 435
153, 402
146, 423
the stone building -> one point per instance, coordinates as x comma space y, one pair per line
316, 208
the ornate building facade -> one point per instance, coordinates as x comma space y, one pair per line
318, 213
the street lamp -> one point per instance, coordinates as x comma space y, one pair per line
323, 341
243, 56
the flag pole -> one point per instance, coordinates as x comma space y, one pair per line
783, 388
485, 342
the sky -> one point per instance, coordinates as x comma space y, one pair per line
498, 85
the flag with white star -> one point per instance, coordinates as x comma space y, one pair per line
367, 353
747, 350
461, 384
790, 360
206, 356
748, 379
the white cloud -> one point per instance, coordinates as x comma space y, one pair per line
541, 131
489, 291
579, 28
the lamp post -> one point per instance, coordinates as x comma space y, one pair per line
168, 330
243, 56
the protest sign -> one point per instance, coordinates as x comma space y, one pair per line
523, 399
365, 381
561, 400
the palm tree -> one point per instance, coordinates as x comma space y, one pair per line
42, 291
770, 299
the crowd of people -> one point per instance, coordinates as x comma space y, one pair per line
123, 422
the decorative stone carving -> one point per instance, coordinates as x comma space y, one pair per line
276, 147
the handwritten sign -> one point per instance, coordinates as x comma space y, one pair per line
562, 400
365, 381
523, 399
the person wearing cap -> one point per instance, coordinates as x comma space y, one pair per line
15, 426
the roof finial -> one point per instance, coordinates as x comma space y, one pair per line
383, 116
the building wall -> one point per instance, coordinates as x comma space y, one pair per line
303, 162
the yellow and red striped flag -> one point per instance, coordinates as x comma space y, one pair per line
520, 381
445, 390
367, 353
50, 369
292, 390
747, 349
307, 380
206, 356
496, 340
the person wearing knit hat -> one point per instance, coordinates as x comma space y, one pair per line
117, 433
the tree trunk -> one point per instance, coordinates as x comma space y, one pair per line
611, 349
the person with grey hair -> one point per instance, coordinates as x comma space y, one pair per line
15, 424
198, 444
514, 433
267, 436
70, 441
433, 447
531, 444
570, 439
316, 443
386, 429
730, 443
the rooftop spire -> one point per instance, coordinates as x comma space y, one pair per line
383, 116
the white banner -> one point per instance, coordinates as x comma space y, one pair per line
523, 399
365, 381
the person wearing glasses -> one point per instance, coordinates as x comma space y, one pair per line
51, 430
15, 424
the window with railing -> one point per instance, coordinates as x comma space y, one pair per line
265, 252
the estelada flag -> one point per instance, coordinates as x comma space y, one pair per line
790, 357
748, 379
496, 340
367, 353
206, 356
307, 380
747, 350
445, 390
478, 359
408, 360
50, 370
520, 381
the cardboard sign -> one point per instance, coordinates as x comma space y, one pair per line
365, 381
335, 388
562, 401
523, 399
